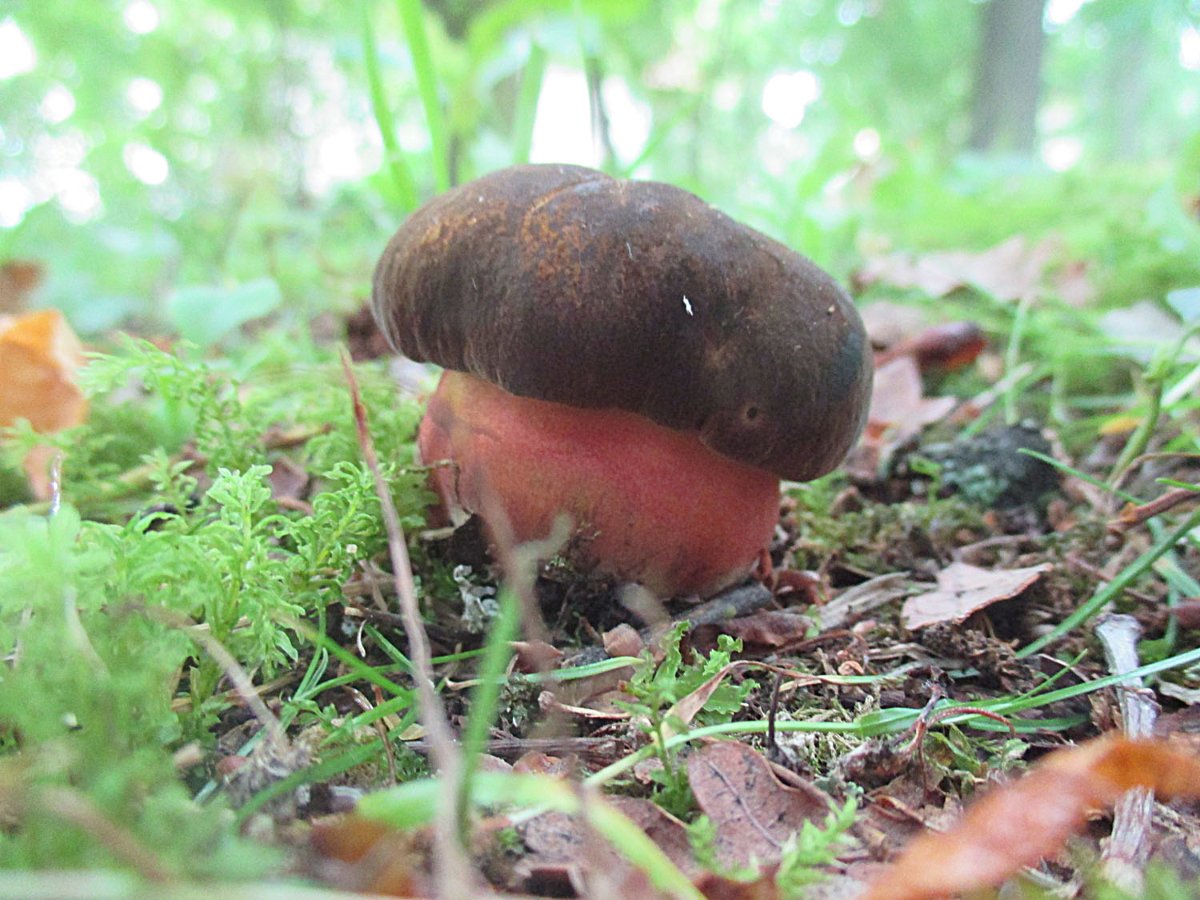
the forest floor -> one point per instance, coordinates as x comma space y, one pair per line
975, 589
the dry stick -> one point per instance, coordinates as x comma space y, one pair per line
1118, 481
1128, 848
452, 868
1133, 515
233, 670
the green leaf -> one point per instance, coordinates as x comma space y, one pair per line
207, 313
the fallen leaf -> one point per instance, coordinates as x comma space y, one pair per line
534, 762
1187, 613
360, 854
686, 708
1180, 728
760, 632
1073, 285
606, 706
39, 359
1012, 270
288, 480
1023, 822
948, 346
718, 887
964, 589
753, 812
1142, 329
854, 603
898, 400
535, 656
363, 336
889, 323
623, 640
899, 410
563, 850
489, 763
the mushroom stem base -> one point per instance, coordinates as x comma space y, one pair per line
647, 503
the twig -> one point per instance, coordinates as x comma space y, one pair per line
1128, 848
1123, 476
1132, 515
772, 712
451, 866
380, 728
233, 670
853, 603
731, 604
505, 746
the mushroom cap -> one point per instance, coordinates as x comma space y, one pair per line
561, 283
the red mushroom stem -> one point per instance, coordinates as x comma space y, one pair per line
650, 504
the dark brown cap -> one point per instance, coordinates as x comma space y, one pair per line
563, 284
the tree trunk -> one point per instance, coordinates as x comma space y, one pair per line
1008, 76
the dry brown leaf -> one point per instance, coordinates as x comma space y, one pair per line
562, 849
963, 590
1187, 613
889, 323
1017, 825
898, 401
39, 358
686, 708
360, 854
718, 887
753, 813
899, 410
288, 480
1012, 270
760, 632
535, 656
534, 762
605, 707
623, 640
1073, 285
948, 346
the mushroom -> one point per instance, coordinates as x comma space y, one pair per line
622, 352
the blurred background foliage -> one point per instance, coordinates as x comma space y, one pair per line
152, 150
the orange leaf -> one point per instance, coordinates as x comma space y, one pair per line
1019, 824
39, 356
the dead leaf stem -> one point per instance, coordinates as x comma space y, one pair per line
1128, 848
452, 867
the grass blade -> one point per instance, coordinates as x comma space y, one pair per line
527, 101
1111, 590
394, 157
486, 695
412, 17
